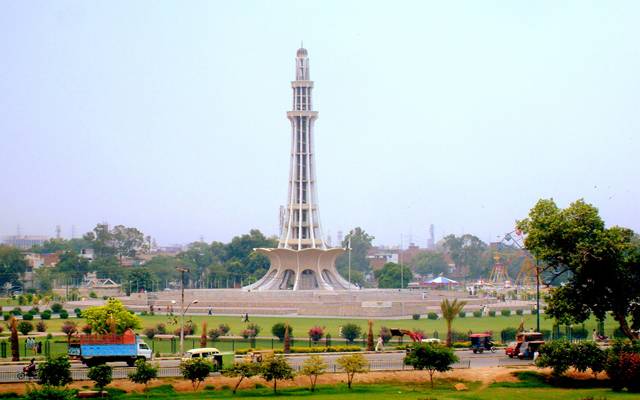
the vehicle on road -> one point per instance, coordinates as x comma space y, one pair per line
258, 355
99, 349
514, 348
481, 342
431, 340
218, 358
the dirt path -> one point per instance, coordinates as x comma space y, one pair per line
484, 375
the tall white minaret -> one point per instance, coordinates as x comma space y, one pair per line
301, 220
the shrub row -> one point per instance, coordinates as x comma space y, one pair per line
302, 349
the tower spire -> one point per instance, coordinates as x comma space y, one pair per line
301, 218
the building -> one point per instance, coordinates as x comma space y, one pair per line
302, 260
25, 242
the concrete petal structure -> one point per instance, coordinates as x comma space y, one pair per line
302, 260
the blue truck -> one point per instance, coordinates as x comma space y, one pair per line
99, 349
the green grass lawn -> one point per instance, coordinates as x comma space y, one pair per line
443, 390
302, 325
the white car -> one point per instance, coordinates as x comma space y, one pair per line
431, 340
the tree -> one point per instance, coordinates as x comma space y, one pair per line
276, 368
450, 310
100, 240
101, 375
361, 242
12, 265
351, 332
127, 242
391, 276
140, 278
352, 364
287, 339
432, 357
278, 330
370, 337
196, 370
143, 373
15, 344
72, 266
242, 370
465, 251
100, 317
69, 328
601, 265
203, 335
430, 263
313, 367
163, 268
55, 371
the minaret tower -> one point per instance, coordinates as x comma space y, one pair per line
302, 260
301, 228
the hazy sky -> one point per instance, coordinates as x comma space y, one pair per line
170, 116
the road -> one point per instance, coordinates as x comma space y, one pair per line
389, 361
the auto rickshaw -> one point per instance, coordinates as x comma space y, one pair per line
481, 342
528, 350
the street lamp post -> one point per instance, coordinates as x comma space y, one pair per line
537, 296
183, 310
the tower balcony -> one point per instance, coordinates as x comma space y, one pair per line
302, 113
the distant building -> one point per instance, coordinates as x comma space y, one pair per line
25, 242
378, 257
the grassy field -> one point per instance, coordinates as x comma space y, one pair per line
301, 325
529, 389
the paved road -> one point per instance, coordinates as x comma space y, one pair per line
378, 361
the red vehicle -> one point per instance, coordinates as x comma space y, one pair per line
514, 348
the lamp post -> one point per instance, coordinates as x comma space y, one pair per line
349, 262
183, 310
537, 296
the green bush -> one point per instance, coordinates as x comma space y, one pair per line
351, 332
16, 311
492, 313
556, 355
579, 333
51, 393
64, 314
25, 327
56, 308
462, 314
41, 326
519, 312
508, 334
432, 315
461, 345
278, 330
505, 313
416, 316
6, 316
46, 314
27, 317
477, 314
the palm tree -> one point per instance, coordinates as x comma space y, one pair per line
450, 311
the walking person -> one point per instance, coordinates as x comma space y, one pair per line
380, 344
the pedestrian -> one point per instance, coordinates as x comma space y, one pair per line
246, 317
210, 310
380, 344
39, 348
